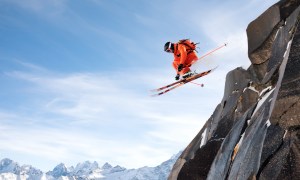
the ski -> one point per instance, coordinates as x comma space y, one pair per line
180, 83
167, 90
169, 85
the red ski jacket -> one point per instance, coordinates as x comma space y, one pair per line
182, 56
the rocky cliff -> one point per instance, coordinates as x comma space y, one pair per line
254, 133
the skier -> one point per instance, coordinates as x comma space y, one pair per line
184, 54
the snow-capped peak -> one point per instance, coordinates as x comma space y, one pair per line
7, 165
85, 168
59, 170
12, 170
106, 166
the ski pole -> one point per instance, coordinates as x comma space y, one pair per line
197, 84
210, 52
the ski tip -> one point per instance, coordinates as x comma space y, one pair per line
214, 68
155, 95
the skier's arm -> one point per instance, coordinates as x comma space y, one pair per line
175, 65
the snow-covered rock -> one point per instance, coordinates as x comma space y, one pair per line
59, 170
7, 166
10, 170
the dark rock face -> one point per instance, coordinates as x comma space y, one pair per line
254, 133
197, 167
262, 29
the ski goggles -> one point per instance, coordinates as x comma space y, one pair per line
169, 50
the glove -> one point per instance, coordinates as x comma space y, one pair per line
180, 67
177, 77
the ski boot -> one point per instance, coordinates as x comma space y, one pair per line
188, 74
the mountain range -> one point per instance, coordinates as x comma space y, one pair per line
10, 170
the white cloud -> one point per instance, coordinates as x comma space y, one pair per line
170, 129
76, 115
72, 146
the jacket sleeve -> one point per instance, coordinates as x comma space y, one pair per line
183, 53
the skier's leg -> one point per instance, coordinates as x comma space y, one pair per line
185, 70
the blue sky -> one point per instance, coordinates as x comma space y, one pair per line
75, 77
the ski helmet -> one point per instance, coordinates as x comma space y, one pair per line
168, 47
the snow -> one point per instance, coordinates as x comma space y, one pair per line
277, 32
287, 48
263, 99
264, 90
203, 138
64, 178
253, 89
237, 147
270, 99
96, 174
8, 176
11, 176
285, 133
44, 177
241, 140
248, 122
268, 123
